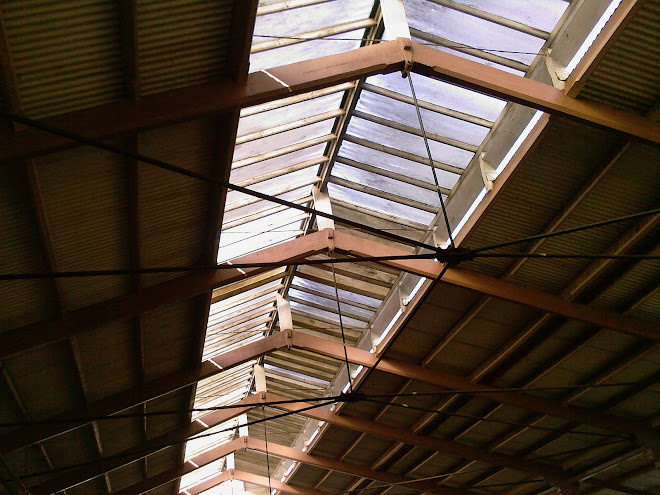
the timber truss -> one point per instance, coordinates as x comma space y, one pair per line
322, 242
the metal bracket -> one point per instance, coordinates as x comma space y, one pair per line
404, 300
438, 241
557, 73
488, 173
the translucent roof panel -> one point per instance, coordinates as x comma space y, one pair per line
364, 200
294, 136
330, 45
331, 303
455, 26
338, 20
390, 163
290, 113
409, 143
540, 14
394, 188
443, 94
434, 122
310, 285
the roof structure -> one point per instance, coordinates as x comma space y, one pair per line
323, 247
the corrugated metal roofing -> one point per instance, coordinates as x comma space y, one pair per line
66, 55
628, 77
181, 43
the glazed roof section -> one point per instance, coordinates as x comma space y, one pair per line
359, 141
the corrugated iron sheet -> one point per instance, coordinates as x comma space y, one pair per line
66, 55
182, 42
86, 211
628, 77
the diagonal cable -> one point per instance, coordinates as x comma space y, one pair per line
341, 325
428, 151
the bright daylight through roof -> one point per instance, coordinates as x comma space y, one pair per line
324, 247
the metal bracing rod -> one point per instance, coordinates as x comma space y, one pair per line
428, 152
556, 233
195, 175
224, 266
475, 52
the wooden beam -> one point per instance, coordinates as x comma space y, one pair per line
458, 383
550, 472
509, 291
44, 332
280, 340
172, 438
248, 443
489, 80
127, 399
188, 467
202, 100
181, 288
80, 475
129, 40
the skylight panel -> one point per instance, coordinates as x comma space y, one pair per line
455, 26
393, 188
269, 223
390, 163
278, 141
227, 304
247, 174
434, 122
255, 242
326, 315
215, 436
409, 143
331, 45
330, 291
360, 199
540, 14
308, 22
331, 303
203, 473
443, 94
290, 192
489, 59
289, 113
